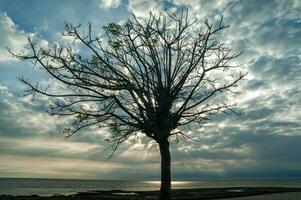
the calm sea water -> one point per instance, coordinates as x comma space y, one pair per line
45, 187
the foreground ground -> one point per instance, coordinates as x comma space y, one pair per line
183, 194
277, 196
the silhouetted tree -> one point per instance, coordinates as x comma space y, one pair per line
153, 76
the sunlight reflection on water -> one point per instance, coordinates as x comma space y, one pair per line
175, 184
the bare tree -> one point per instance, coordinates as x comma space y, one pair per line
153, 76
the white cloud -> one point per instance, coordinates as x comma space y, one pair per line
4, 91
15, 39
107, 4
10, 37
269, 103
201, 8
142, 7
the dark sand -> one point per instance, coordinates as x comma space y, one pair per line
183, 194
277, 196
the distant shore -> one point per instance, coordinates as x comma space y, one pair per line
178, 194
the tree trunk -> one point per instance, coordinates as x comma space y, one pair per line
165, 190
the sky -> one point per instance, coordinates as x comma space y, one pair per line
263, 142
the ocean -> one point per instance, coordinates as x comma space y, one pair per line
47, 187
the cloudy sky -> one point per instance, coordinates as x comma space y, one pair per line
264, 142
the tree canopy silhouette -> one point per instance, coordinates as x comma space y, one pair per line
153, 76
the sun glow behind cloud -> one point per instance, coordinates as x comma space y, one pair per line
253, 144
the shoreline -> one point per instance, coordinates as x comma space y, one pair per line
185, 194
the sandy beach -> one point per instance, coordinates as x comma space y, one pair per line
235, 193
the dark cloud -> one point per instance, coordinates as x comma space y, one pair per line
263, 141
282, 71
10, 126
